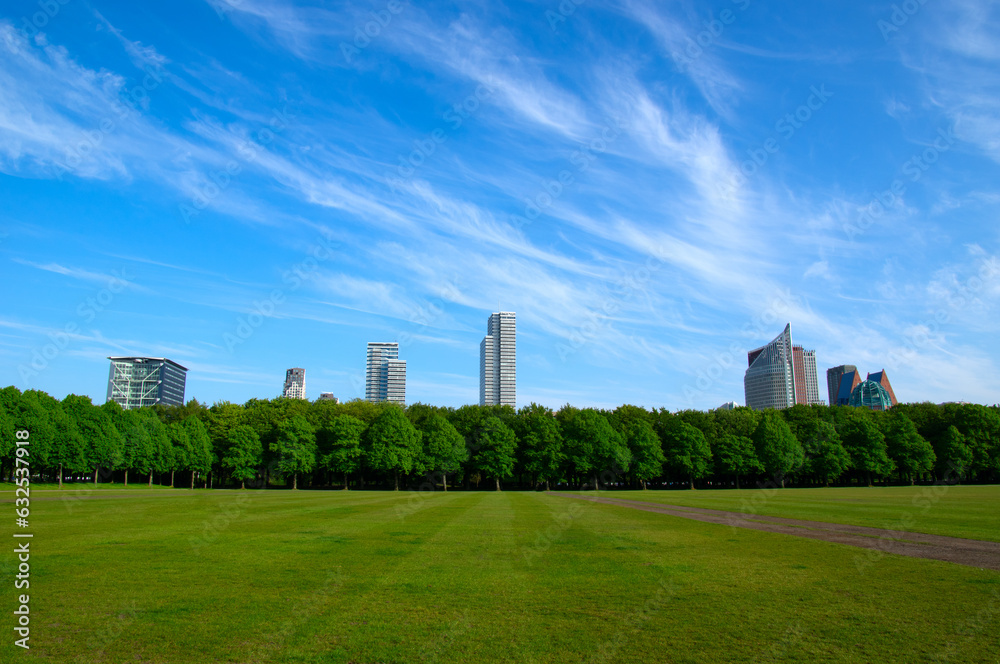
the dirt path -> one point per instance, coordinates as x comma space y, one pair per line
975, 553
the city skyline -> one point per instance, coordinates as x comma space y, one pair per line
225, 184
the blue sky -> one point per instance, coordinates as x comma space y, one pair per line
655, 188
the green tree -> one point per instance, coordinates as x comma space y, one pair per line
135, 437
391, 443
295, 448
160, 458
825, 456
911, 453
98, 435
646, 449
735, 455
180, 447
592, 446
777, 448
865, 443
497, 446
341, 446
540, 443
243, 453
444, 447
684, 445
200, 456
953, 456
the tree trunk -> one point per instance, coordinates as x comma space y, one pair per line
596, 488
737, 482
691, 481
547, 486
444, 480
60, 476
171, 479
498, 483
192, 479
345, 481
95, 475
643, 483
295, 481
150, 479
126, 478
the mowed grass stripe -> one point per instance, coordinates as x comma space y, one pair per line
387, 598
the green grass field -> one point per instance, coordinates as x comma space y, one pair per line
364, 577
955, 511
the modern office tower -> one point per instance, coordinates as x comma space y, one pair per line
137, 382
295, 384
833, 377
497, 361
781, 375
806, 378
385, 379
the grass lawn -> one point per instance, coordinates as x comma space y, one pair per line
365, 577
955, 511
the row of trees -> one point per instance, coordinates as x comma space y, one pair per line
361, 444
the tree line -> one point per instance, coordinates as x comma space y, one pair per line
359, 444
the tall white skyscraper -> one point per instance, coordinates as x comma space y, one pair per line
385, 379
295, 384
497, 361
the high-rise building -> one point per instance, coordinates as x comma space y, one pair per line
781, 375
806, 378
833, 377
497, 361
328, 396
295, 384
137, 382
385, 379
